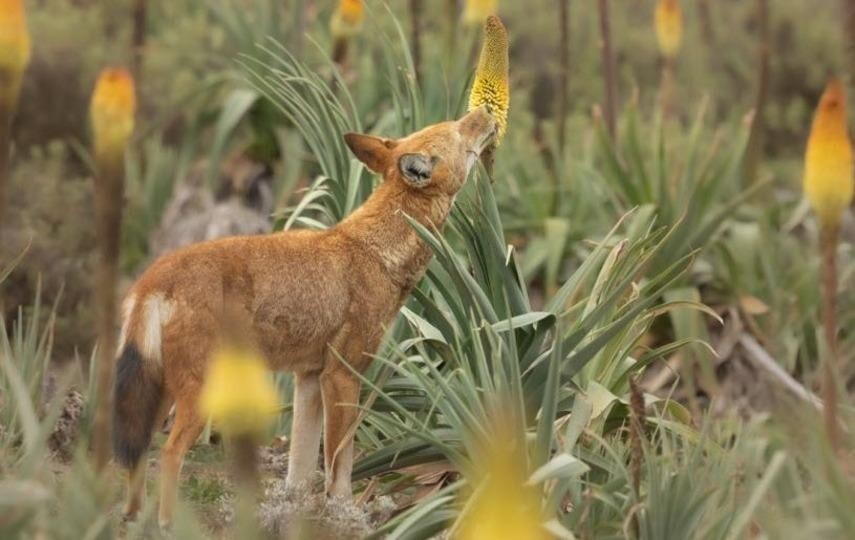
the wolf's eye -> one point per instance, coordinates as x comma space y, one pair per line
417, 168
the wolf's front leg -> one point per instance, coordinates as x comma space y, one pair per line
340, 390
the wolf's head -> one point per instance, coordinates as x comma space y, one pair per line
436, 159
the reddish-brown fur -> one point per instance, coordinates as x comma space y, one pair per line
312, 297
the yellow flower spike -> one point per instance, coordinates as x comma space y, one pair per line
112, 111
828, 180
478, 10
491, 85
238, 394
669, 27
14, 51
347, 19
503, 504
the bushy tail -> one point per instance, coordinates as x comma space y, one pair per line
137, 396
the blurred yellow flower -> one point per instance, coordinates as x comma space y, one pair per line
238, 394
347, 19
491, 85
112, 111
828, 180
478, 10
503, 504
669, 27
14, 54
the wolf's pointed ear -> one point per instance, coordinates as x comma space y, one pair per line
373, 151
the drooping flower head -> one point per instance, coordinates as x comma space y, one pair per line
112, 111
491, 85
478, 10
828, 180
238, 394
346, 20
14, 53
669, 27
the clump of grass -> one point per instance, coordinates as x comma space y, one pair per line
204, 490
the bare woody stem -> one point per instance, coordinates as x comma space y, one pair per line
755, 139
109, 191
5, 143
138, 18
416, 40
564, 70
828, 249
636, 436
453, 22
849, 35
245, 470
667, 88
608, 61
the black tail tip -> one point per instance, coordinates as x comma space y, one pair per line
137, 396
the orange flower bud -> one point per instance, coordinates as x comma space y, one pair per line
112, 111
669, 27
346, 20
828, 180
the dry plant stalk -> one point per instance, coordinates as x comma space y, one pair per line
564, 71
14, 57
416, 40
755, 138
828, 186
138, 20
608, 63
112, 112
637, 420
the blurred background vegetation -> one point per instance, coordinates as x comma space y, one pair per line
677, 252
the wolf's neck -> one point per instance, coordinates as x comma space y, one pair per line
380, 225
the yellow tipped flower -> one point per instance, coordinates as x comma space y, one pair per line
14, 51
503, 503
238, 393
491, 86
828, 181
478, 10
669, 27
347, 18
112, 110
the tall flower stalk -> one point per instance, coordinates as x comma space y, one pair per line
608, 61
828, 186
241, 400
491, 86
345, 23
112, 111
14, 57
669, 34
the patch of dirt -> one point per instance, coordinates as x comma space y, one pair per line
303, 513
